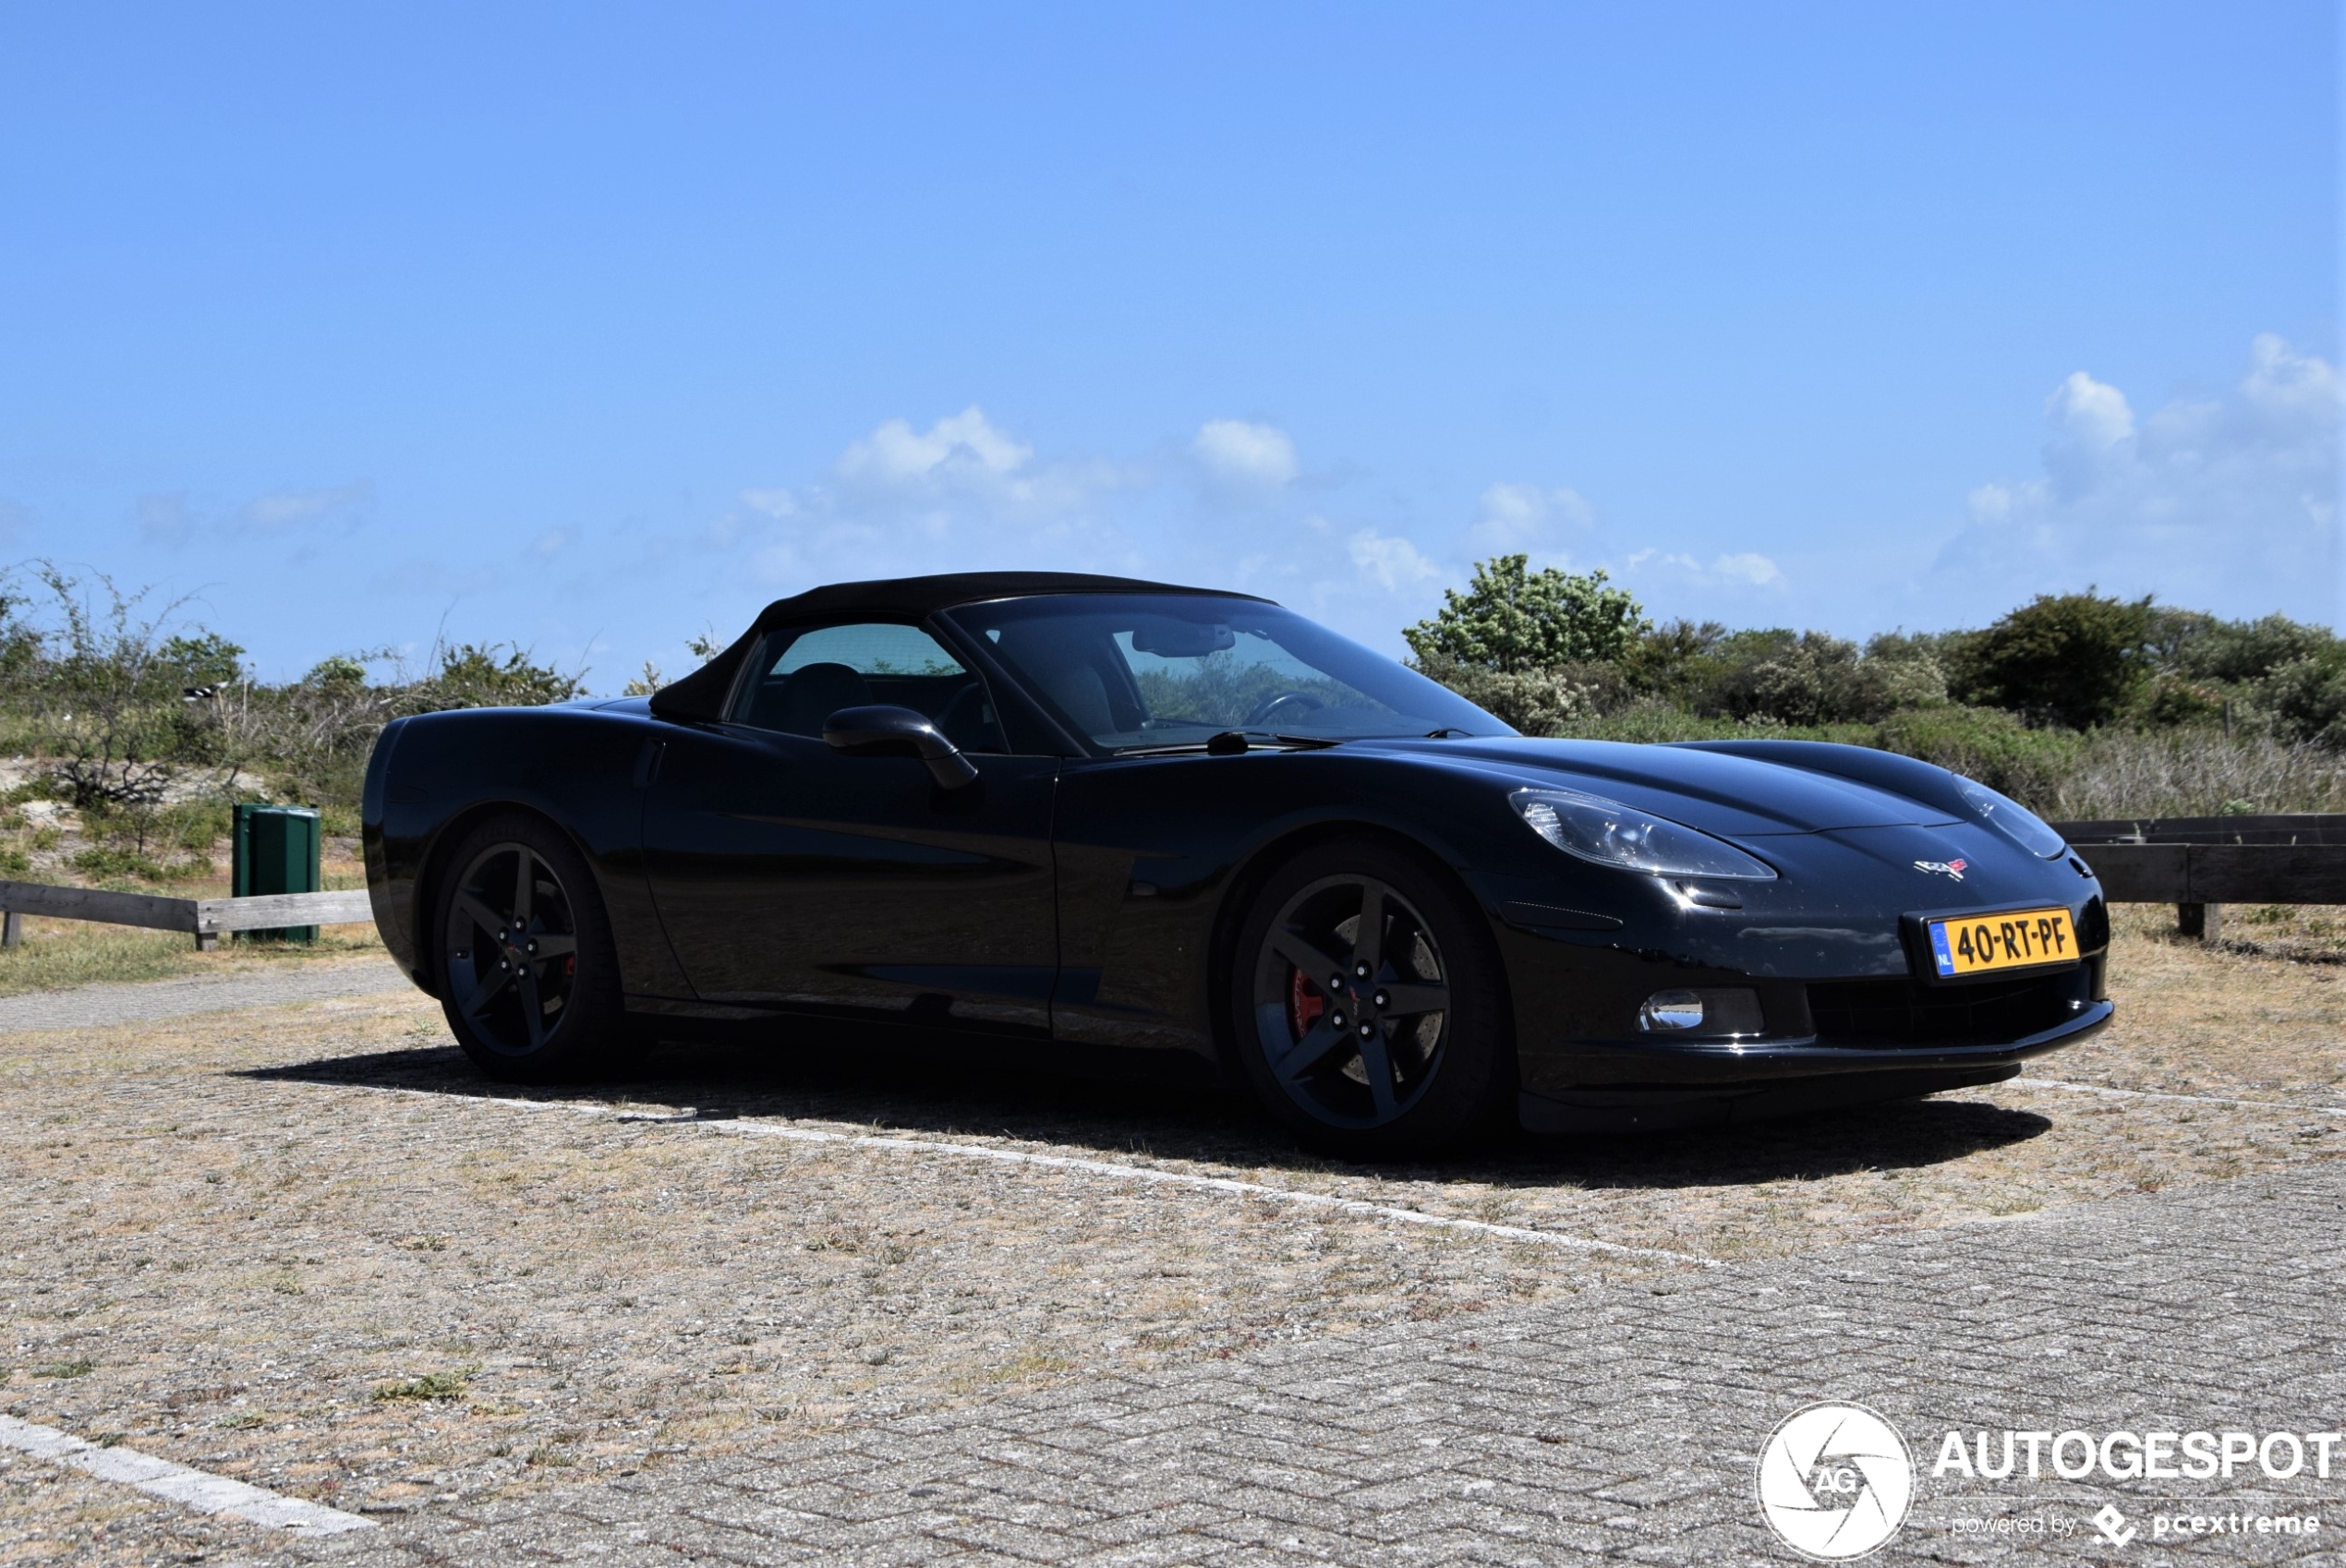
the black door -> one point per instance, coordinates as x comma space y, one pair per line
791, 876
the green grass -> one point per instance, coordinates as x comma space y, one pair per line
59, 954
51, 960
431, 1385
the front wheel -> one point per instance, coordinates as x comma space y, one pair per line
528, 969
1368, 1005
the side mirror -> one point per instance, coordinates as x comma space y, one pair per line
898, 731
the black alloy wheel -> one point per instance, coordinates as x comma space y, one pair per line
1370, 1017
529, 974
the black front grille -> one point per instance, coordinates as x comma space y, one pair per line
1908, 1012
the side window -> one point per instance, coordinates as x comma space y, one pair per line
803, 674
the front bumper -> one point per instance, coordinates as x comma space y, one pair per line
1655, 1086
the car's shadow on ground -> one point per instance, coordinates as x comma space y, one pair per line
949, 1091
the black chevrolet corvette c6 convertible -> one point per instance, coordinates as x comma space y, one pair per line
1155, 824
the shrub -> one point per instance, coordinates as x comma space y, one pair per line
102, 689
1536, 702
2305, 700
2070, 659
2242, 652
1512, 620
1821, 679
1988, 744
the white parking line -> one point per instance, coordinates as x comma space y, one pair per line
1113, 1169
2190, 1099
199, 1490
1213, 1184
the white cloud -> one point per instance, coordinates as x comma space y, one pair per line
2092, 413
960, 445
1742, 569
2227, 502
1747, 566
281, 512
1245, 455
1393, 562
962, 494
1527, 520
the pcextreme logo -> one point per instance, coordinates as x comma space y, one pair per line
1834, 1481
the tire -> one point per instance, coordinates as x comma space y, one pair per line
511, 946
1403, 1045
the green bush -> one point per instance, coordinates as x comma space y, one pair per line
1819, 679
1988, 744
123, 703
2305, 700
2240, 653
1512, 620
110, 862
1535, 701
1651, 721
2072, 659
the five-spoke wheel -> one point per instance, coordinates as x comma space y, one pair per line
513, 947
1368, 1008
529, 983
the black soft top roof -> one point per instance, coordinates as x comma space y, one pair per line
702, 693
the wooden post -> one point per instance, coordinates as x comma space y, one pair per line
11, 929
2203, 920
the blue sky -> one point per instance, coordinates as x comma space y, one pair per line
593, 327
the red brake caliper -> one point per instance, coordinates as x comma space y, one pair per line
1305, 1003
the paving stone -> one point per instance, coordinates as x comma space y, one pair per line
2205, 1306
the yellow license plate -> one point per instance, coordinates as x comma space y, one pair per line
1964, 945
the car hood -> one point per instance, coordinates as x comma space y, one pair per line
1736, 796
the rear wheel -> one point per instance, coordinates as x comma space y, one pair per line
529, 972
1369, 1012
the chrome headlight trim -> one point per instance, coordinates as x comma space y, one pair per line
1611, 834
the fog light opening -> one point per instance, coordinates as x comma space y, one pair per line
1728, 1012
1671, 1012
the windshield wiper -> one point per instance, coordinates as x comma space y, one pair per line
1231, 742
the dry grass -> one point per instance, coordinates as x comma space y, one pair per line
2122, 773
252, 1225
58, 954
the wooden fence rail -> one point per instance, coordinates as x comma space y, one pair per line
2199, 863
205, 918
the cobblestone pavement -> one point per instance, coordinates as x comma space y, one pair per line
100, 1006
1625, 1427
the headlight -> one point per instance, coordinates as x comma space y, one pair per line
2016, 822
1611, 834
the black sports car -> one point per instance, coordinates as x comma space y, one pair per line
1160, 824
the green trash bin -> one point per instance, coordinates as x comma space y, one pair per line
278, 850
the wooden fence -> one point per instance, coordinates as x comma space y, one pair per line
2199, 863
205, 918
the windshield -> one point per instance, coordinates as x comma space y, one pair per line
1162, 670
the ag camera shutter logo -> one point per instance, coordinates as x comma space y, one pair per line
1834, 1481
